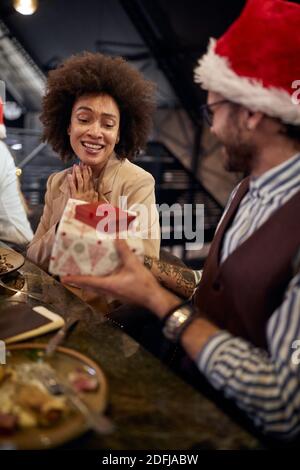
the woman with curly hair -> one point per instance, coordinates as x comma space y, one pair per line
99, 109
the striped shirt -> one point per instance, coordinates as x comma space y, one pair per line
266, 385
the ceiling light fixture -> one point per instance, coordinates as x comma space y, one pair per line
25, 7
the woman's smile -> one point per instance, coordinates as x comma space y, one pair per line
92, 148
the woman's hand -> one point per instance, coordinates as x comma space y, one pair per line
81, 184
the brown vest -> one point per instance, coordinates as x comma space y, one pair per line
241, 294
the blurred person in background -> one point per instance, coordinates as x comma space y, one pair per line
14, 225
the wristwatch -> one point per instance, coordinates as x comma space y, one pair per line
177, 320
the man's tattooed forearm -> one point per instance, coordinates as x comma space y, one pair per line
177, 278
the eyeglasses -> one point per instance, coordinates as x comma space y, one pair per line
207, 113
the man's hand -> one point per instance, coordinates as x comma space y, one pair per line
81, 183
132, 283
135, 284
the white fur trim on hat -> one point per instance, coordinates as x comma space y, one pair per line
2, 131
215, 74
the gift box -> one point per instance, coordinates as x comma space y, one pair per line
114, 219
84, 241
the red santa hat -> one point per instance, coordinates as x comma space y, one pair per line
256, 63
2, 126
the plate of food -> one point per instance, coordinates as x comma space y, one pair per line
10, 260
37, 413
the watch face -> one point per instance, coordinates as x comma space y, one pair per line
177, 322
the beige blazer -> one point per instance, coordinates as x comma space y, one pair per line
120, 178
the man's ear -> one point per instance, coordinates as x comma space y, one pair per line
253, 119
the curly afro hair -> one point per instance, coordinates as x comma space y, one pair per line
90, 73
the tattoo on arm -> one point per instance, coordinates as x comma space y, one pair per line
177, 278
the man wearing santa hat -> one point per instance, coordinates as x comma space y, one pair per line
14, 225
242, 328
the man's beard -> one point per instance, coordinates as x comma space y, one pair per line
240, 156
